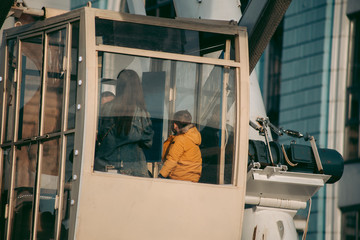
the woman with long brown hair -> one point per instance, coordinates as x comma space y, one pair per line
124, 129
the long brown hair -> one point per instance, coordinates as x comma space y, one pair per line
129, 96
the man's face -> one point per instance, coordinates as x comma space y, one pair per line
174, 128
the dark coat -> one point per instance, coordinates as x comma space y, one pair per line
124, 152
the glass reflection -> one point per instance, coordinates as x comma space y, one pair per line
125, 128
5, 187
163, 39
48, 189
10, 89
25, 174
31, 65
230, 127
186, 75
54, 81
67, 187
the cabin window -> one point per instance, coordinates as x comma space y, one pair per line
10, 89
54, 80
165, 86
74, 52
163, 39
24, 189
30, 77
49, 180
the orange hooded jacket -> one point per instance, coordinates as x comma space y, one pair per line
182, 156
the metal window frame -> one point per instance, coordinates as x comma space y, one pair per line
191, 59
19, 34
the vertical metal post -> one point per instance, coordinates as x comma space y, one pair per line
221, 170
41, 132
15, 137
63, 139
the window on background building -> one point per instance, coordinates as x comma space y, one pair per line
350, 224
352, 123
160, 8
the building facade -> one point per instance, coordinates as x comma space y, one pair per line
317, 91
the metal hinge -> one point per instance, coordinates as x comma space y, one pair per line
56, 202
6, 215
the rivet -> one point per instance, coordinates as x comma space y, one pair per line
74, 177
0, 79
80, 59
72, 201
80, 82
78, 106
76, 152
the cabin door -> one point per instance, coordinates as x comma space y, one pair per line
37, 148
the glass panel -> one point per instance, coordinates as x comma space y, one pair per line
10, 89
125, 128
31, 65
167, 87
162, 39
48, 189
67, 189
210, 118
54, 81
25, 174
73, 74
186, 86
5, 188
230, 127
210, 106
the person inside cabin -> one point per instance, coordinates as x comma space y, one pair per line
106, 97
125, 129
181, 152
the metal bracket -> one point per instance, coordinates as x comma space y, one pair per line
316, 154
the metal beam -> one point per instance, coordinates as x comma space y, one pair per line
262, 17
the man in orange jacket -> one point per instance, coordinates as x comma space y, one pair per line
181, 152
